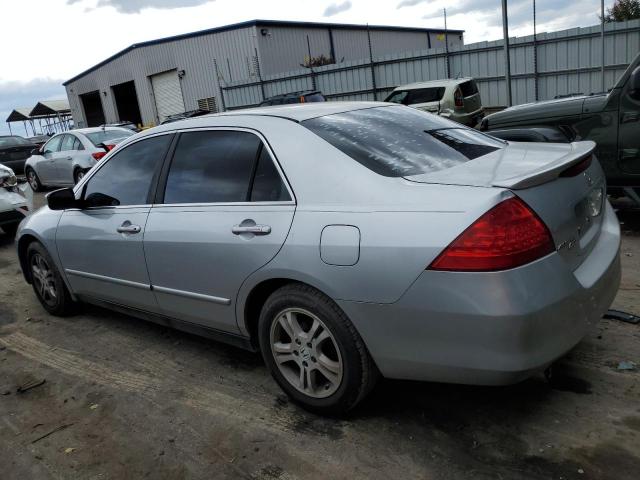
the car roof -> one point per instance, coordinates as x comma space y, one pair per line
95, 129
446, 82
299, 112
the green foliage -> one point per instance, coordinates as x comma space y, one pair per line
623, 10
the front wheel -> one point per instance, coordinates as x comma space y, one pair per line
47, 282
34, 181
313, 351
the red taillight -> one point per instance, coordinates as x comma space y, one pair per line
507, 236
578, 168
109, 147
98, 155
457, 98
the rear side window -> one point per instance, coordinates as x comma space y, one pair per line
468, 88
222, 167
127, 175
267, 183
398, 141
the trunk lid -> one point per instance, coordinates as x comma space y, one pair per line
570, 205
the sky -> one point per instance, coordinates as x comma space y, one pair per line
45, 42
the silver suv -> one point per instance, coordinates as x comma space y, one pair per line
457, 99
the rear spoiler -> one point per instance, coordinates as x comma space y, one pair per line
579, 152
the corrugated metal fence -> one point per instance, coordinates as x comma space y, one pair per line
567, 62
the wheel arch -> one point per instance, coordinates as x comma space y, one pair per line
250, 306
23, 246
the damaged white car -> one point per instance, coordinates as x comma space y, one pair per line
16, 201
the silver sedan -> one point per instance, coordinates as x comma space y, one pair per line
66, 157
344, 241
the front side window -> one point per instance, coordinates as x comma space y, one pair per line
126, 177
53, 145
67, 143
398, 141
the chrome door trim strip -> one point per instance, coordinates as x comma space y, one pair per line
195, 296
117, 281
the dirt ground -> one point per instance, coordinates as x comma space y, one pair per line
123, 398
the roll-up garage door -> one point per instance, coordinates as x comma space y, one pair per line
167, 93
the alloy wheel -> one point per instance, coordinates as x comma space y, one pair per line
33, 181
44, 280
306, 353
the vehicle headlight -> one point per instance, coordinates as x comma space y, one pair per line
8, 181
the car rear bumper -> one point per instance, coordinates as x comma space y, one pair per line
491, 328
471, 119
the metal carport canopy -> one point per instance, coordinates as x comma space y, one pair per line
50, 107
19, 115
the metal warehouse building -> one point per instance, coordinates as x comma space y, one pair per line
149, 81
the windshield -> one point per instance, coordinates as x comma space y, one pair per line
105, 136
399, 141
13, 141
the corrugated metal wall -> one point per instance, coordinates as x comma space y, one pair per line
233, 51
568, 62
222, 58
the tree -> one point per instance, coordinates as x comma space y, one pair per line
623, 10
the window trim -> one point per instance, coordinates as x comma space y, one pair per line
81, 187
161, 186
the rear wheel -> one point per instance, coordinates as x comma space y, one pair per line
313, 351
34, 181
47, 282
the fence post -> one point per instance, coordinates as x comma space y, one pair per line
535, 55
264, 97
372, 65
446, 44
507, 62
219, 77
602, 41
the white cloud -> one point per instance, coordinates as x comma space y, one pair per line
336, 8
136, 6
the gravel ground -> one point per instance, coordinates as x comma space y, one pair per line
123, 398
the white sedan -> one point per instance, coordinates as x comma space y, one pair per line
66, 157
15, 201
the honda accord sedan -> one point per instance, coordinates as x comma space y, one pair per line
342, 240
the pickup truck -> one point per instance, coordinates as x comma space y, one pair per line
611, 119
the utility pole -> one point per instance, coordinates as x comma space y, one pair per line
507, 63
446, 43
602, 41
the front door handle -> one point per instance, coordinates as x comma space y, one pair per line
255, 229
128, 227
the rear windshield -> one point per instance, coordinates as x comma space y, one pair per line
399, 141
13, 142
418, 95
107, 135
469, 88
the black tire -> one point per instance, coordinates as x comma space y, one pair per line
33, 179
10, 229
61, 304
78, 174
358, 373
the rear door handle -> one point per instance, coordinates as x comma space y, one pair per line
128, 227
255, 229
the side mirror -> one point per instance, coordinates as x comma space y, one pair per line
100, 200
634, 84
62, 199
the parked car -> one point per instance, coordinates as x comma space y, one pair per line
68, 156
39, 140
14, 204
183, 115
342, 240
125, 124
309, 96
612, 120
14, 151
457, 99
